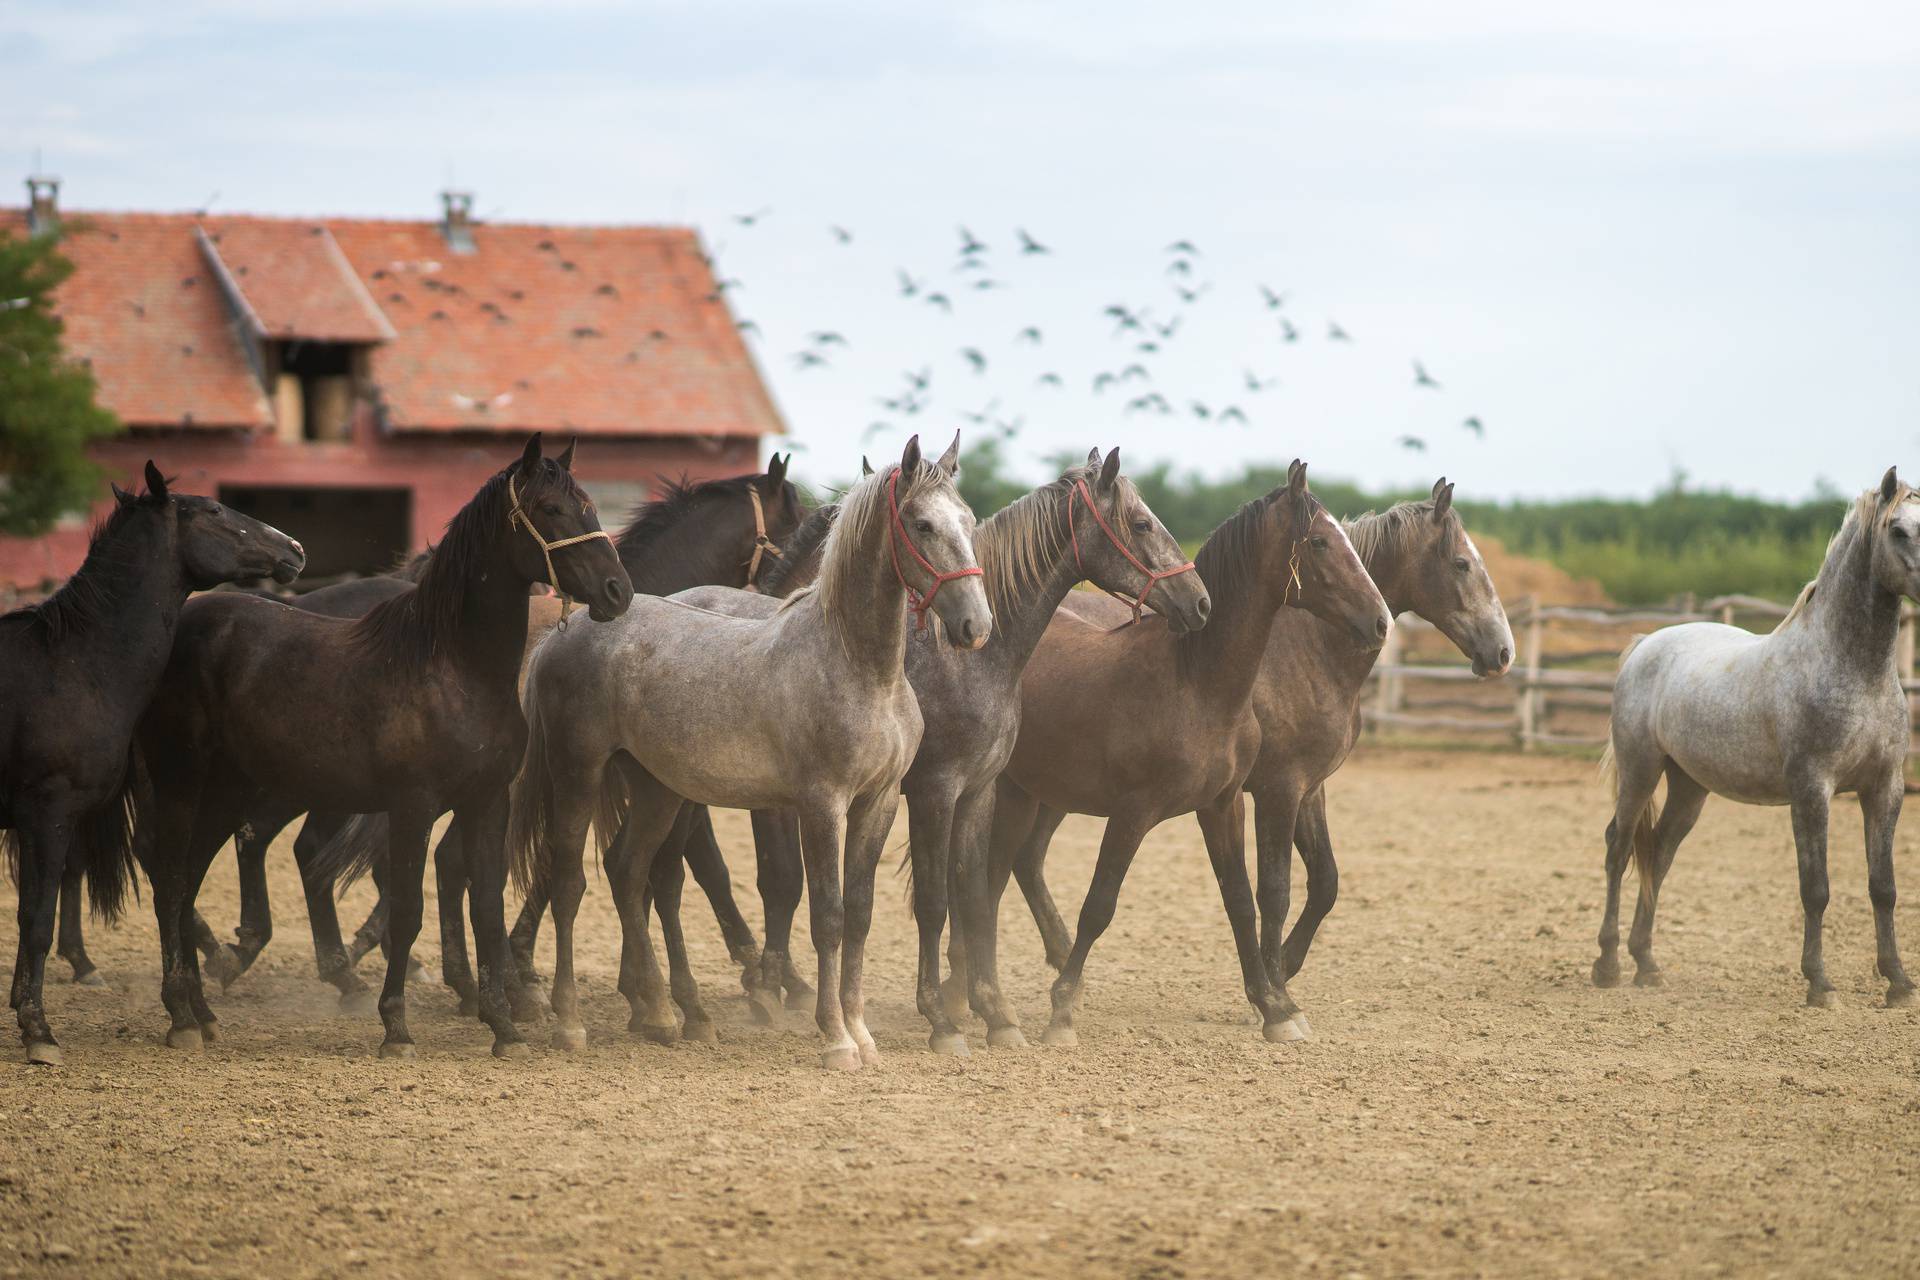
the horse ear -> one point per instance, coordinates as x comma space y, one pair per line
566, 455
910, 457
1093, 456
157, 483
120, 496
1442, 499
530, 457
777, 471
1889, 484
1110, 470
866, 468
1297, 476
950, 460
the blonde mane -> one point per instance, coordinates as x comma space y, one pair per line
1390, 531
1018, 544
1866, 510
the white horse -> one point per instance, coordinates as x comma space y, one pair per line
1797, 717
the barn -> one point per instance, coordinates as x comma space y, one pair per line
353, 381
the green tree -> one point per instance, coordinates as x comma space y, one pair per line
47, 411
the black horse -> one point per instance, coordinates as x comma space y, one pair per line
409, 711
723, 532
76, 671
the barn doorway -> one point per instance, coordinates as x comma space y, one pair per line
345, 531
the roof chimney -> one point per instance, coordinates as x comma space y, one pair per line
456, 222
43, 204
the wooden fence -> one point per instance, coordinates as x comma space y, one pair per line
1560, 689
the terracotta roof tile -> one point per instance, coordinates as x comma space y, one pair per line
295, 281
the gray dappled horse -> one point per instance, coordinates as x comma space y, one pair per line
692, 705
1796, 717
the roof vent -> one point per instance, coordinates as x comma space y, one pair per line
43, 204
456, 222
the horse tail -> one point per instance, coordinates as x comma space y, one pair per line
530, 806
611, 804
1643, 822
355, 847
102, 847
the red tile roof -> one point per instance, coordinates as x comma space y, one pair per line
596, 330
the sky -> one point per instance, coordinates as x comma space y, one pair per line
1630, 239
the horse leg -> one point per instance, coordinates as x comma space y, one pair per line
407, 831
225, 962
1315, 843
776, 852
973, 818
822, 830
1029, 868
46, 834
1276, 821
526, 933
1881, 810
1634, 781
73, 942
482, 823
668, 879
709, 868
1810, 803
323, 921
930, 828
868, 822
450, 889
1685, 799
1223, 824
218, 815
651, 814
1117, 847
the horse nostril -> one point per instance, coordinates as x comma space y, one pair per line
1204, 608
1380, 627
1506, 655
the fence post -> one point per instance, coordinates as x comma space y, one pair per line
1529, 706
1387, 697
1726, 614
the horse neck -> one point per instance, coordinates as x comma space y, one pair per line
493, 615
1022, 620
141, 587
1235, 637
872, 607
1857, 617
694, 551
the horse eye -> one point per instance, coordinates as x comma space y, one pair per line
1319, 544
1142, 525
551, 509
923, 526
1462, 563
1900, 532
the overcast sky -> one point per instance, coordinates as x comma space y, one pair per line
1628, 238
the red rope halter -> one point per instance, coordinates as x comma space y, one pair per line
915, 601
1139, 601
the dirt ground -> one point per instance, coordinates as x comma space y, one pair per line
1470, 1104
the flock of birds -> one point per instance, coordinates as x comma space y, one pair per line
1139, 333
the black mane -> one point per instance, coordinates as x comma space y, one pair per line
1229, 561
799, 556
650, 520
85, 599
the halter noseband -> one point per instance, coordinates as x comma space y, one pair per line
762, 544
1139, 601
516, 515
915, 601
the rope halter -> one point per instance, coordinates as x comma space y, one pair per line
762, 544
915, 601
517, 515
1138, 602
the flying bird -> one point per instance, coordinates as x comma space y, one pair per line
908, 285
1029, 334
988, 284
841, 234
748, 326
1335, 333
874, 429
1184, 247
1257, 384
973, 357
1233, 413
1421, 378
1133, 371
1028, 244
981, 415
1193, 295
941, 301
1168, 329
1180, 267
1274, 300
1476, 426
748, 219
1101, 381
1152, 400
809, 360
1287, 332
1412, 444
970, 244
827, 338
1200, 410
920, 379
1049, 380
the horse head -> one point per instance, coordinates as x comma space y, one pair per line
1324, 575
556, 536
214, 542
1445, 581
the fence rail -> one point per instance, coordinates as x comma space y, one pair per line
1430, 696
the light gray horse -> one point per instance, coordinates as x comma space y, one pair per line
1795, 718
1088, 525
808, 710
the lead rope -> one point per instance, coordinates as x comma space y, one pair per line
516, 515
1139, 601
762, 544
915, 601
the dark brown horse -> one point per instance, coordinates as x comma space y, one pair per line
1139, 725
409, 712
1307, 699
75, 674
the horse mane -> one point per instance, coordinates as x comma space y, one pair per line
1022, 541
863, 514
800, 553
84, 599
649, 520
1866, 509
1228, 564
415, 625
1389, 532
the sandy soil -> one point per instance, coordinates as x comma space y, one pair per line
1471, 1104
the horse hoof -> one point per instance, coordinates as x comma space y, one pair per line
1820, 997
1649, 978
224, 966
1899, 997
869, 1054
469, 1006
800, 1002
842, 1059
358, 1002
700, 1031
1059, 1036
1606, 972
1006, 1038
763, 1006
511, 1049
400, 1049
569, 1038
951, 1045
1286, 1032
185, 1038
528, 1008
91, 978
42, 1053
657, 1032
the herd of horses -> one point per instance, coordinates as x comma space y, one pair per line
812, 667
